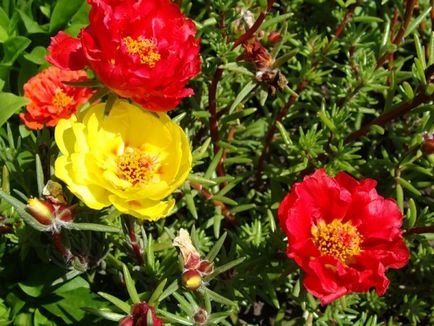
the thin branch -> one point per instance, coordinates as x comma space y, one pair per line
58, 244
346, 19
407, 17
269, 137
293, 98
209, 196
420, 230
212, 99
247, 35
402, 109
399, 37
138, 251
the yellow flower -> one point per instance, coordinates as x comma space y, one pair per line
131, 159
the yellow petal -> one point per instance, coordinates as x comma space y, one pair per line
144, 209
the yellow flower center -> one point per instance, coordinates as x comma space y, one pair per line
138, 167
60, 99
337, 239
145, 48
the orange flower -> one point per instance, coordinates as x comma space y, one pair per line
51, 100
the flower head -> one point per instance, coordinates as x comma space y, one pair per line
131, 158
52, 100
145, 50
343, 234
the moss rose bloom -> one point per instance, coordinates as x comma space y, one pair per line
343, 234
131, 158
144, 50
51, 100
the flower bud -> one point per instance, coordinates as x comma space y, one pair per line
191, 279
428, 144
274, 37
127, 321
205, 267
139, 316
41, 210
64, 214
200, 316
192, 261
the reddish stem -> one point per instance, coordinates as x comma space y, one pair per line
58, 244
346, 19
398, 39
212, 99
407, 17
138, 251
206, 194
419, 230
388, 116
269, 137
247, 35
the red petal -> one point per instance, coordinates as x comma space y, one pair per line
66, 52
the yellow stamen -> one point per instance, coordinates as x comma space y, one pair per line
60, 99
337, 239
138, 167
145, 48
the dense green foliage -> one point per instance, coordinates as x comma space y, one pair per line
337, 82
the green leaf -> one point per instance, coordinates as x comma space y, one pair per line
415, 23
106, 314
173, 287
225, 267
37, 55
31, 25
125, 307
130, 285
400, 196
171, 318
411, 213
39, 174
94, 227
407, 185
242, 95
219, 298
189, 201
153, 300
201, 180
10, 104
63, 12
212, 254
13, 48
213, 165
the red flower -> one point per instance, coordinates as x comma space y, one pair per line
139, 316
144, 49
343, 234
51, 100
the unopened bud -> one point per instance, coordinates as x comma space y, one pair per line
64, 214
41, 210
192, 261
140, 313
127, 321
205, 267
428, 144
200, 316
274, 37
191, 279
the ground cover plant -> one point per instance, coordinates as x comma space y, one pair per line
216, 162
